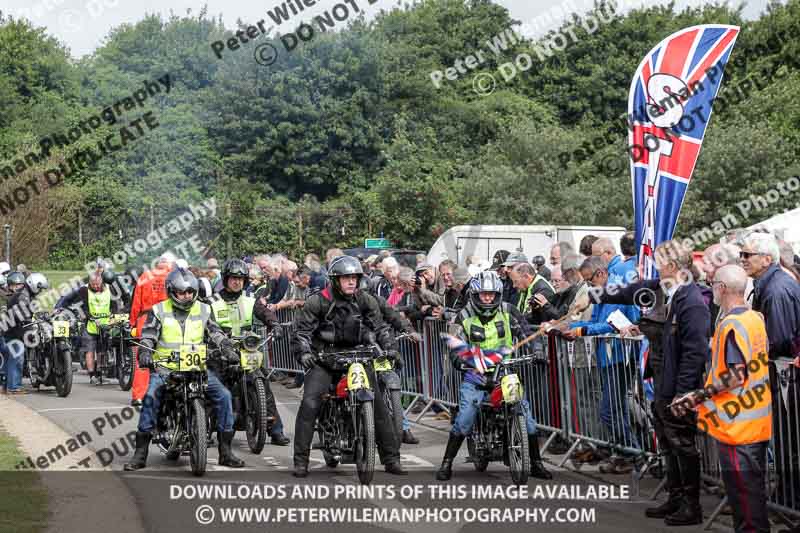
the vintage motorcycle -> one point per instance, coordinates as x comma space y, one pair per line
499, 433
182, 421
48, 351
248, 385
346, 423
114, 353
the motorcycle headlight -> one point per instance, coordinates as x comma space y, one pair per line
251, 342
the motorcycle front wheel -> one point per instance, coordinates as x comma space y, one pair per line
198, 436
364, 442
63, 371
257, 420
518, 454
125, 363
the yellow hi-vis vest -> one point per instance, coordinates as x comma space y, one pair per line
491, 331
233, 316
742, 415
99, 309
172, 335
525, 297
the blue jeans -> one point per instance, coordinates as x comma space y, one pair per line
614, 404
469, 400
216, 392
406, 423
277, 428
14, 355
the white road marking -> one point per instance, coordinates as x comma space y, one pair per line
83, 408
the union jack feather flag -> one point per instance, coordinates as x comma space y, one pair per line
476, 358
669, 106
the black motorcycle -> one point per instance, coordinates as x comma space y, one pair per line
248, 385
48, 351
500, 433
346, 423
113, 358
181, 420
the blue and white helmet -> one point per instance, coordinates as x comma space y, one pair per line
486, 281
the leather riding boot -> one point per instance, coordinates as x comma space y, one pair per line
445, 472
279, 439
537, 467
690, 512
139, 459
226, 457
674, 488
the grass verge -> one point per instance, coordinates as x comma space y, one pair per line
23, 498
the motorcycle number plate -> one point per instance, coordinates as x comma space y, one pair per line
512, 388
382, 365
60, 328
192, 357
116, 319
357, 377
250, 360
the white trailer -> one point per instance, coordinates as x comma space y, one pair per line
460, 242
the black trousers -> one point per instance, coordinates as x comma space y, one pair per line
676, 437
744, 473
317, 382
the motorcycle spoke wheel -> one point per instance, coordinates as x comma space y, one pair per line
364, 443
518, 454
198, 438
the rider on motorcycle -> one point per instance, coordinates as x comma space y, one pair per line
489, 323
19, 312
182, 319
234, 312
340, 316
97, 305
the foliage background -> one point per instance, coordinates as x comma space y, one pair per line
346, 137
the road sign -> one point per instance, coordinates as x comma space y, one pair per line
377, 243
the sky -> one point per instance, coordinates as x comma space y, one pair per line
83, 24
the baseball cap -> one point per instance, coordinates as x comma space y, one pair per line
422, 267
516, 257
499, 257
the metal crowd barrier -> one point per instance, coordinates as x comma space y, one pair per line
590, 393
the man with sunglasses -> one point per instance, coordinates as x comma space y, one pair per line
776, 295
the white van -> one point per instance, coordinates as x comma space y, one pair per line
460, 242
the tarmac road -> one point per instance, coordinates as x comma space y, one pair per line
98, 418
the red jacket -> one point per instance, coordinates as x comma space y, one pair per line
149, 291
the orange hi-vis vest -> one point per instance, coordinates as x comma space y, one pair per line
742, 415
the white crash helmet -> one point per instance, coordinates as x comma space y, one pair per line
5, 268
36, 283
